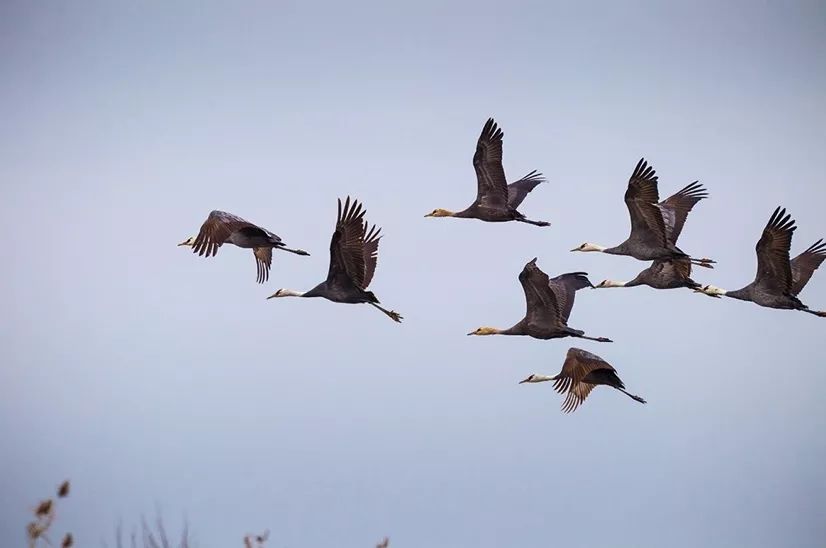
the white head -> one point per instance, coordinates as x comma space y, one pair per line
711, 291
188, 242
589, 247
537, 378
286, 293
609, 283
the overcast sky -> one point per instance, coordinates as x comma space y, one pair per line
149, 376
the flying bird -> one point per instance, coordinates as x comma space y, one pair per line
654, 226
778, 280
222, 227
662, 274
549, 303
496, 200
581, 373
354, 251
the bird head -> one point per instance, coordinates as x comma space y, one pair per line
188, 242
484, 331
711, 291
588, 247
440, 213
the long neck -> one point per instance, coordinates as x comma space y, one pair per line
617, 250
543, 378
290, 293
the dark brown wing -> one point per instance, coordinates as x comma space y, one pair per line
371, 254
216, 229
263, 261
518, 190
491, 185
804, 265
578, 365
347, 246
641, 198
774, 271
542, 306
565, 287
676, 207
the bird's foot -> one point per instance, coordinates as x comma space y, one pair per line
395, 316
604, 339
820, 314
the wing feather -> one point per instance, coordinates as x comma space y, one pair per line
263, 261
804, 265
675, 208
774, 272
641, 198
519, 190
542, 308
491, 185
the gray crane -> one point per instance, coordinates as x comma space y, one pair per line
549, 303
496, 200
354, 251
581, 373
222, 228
652, 223
778, 280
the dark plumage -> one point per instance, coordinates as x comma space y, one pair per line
669, 273
353, 257
581, 373
778, 280
496, 201
655, 226
222, 227
549, 303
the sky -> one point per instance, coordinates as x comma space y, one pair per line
158, 380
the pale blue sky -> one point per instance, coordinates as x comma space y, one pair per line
148, 375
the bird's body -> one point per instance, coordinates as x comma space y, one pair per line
581, 372
655, 225
225, 228
353, 258
778, 280
496, 200
549, 303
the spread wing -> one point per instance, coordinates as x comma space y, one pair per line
263, 261
492, 187
676, 207
578, 365
542, 306
518, 190
641, 198
371, 254
670, 270
804, 265
217, 228
565, 287
347, 263
774, 272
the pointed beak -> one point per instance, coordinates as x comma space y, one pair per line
472, 333
575, 249
273, 295
523, 382
429, 215
182, 243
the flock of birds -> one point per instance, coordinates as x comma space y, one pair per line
655, 227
